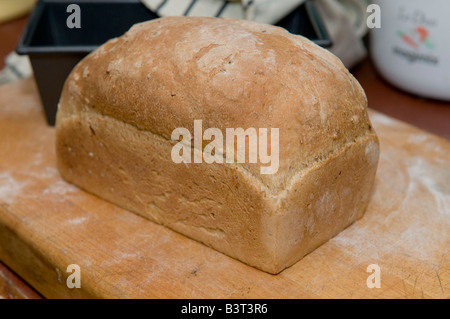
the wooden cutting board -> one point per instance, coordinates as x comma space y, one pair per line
47, 224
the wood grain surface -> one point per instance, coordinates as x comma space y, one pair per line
47, 224
12, 287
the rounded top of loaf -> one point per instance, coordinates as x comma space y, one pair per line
165, 73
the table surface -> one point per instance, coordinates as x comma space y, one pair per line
430, 115
47, 224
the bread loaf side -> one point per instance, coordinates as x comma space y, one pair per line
121, 104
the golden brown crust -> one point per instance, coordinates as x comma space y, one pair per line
121, 103
166, 73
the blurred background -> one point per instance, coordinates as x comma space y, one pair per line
345, 23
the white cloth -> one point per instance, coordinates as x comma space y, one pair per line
347, 45
17, 67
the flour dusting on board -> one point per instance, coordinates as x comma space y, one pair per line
10, 188
47, 172
381, 119
60, 188
433, 180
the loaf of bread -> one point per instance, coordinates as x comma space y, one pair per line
123, 107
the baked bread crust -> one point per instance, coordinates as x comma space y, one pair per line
121, 103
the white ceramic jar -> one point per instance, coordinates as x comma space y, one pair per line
411, 50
